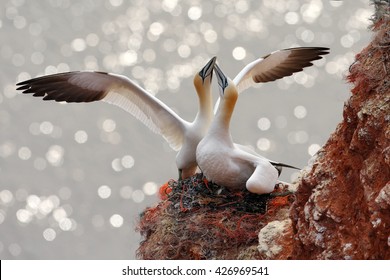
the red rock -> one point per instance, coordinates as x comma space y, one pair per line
342, 207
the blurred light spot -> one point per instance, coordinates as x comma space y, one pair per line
264, 124
116, 3
112, 138
116, 220
104, 192
307, 36
92, 40
263, 144
37, 58
332, 67
78, 45
81, 136
24, 153
150, 188
9, 91
40, 164
291, 18
59, 214
149, 55
50, 69
46, 127
184, 51
173, 83
239, 53
347, 41
7, 149
241, 6
65, 224
24, 216
127, 161
156, 28
169, 5
33, 202
310, 11
109, 125
55, 155
336, 3
195, 13
313, 149
35, 29
298, 137
49, 234
128, 58
54, 200
91, 62
45, 207
116, 165
300, 112
14, 249
138, 196
57, 132
6, 197
301, 78
210, 36
19, 22
126, 192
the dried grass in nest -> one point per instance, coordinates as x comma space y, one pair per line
197, 219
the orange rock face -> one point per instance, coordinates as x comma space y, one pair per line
342, 207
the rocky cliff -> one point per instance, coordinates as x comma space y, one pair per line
342, 204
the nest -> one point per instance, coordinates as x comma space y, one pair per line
197, 219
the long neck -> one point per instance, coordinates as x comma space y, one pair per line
205, 112
221, 123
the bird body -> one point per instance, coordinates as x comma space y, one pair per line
232, 165
224, 162
88, 86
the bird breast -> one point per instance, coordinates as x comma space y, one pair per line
220, 167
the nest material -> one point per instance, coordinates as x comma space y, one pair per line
197, 219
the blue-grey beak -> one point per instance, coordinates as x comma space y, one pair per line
222, 79
207, 70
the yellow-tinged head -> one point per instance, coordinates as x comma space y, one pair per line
202, 79
227, 88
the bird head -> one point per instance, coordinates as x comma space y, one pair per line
227, 89
203, 78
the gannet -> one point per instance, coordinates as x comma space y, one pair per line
276, 65
88, 86
226, 163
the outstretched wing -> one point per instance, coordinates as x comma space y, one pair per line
277, 65
86, 86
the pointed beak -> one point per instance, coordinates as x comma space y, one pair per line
222, 79
207, 70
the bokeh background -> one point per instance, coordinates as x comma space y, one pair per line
74, 178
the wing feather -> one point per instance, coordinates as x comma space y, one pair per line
85, 86
277, 65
